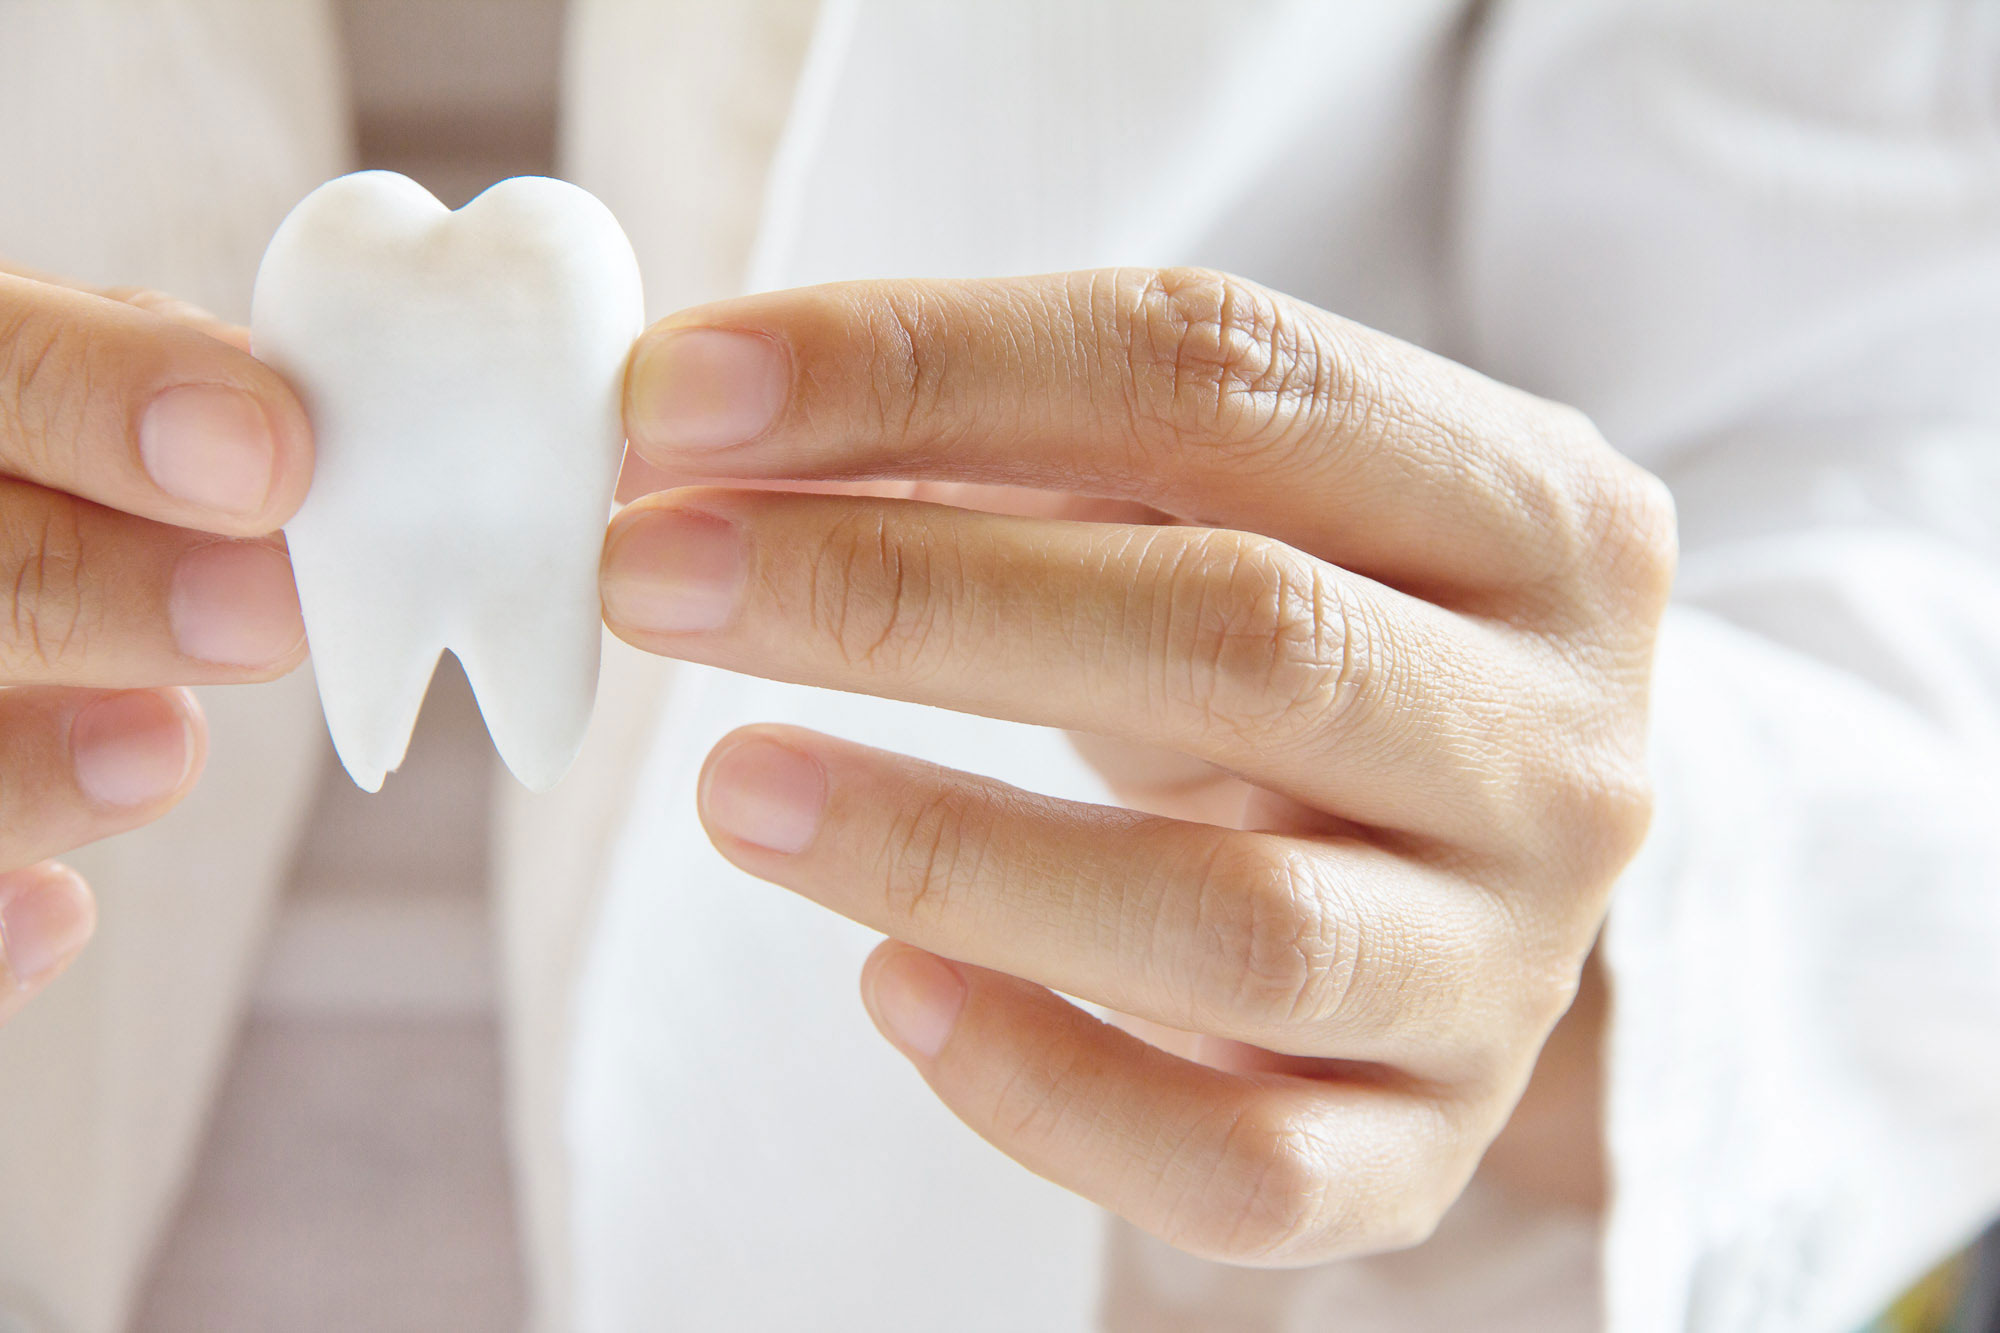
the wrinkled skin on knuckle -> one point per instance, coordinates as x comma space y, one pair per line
903, 380
1258, 642
1283, 950
937, 853
1615, 525
1213, 358
1609, 524
1286, 954
1273, 952
1597, 789
44, 387
1272, 1196
1283, 1193
871, 596
48, 617
1037, 1103
918, 344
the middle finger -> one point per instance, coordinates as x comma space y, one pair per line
1304, 946
103, 598
1231, 647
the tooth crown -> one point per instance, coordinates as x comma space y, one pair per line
463, 374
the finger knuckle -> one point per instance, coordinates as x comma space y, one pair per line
1607, 811
49, 614
1641, 538
1039, 1102
1272, 1194
871, 596
1276, 949
906, 380
1609, 524
1262, 640
1213, 357
1283, 1192
937, 849
44, 387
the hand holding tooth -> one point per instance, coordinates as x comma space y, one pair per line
1399, 633
143, 457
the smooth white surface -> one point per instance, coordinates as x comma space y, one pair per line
462, 371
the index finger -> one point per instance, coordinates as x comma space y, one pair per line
1195, 392
145, 412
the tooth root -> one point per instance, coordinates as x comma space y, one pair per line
532, 663
374, 650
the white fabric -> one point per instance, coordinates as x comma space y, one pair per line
1759, 245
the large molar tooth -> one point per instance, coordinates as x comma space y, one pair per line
462, 372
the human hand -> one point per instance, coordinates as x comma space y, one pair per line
143, 456
1407, 611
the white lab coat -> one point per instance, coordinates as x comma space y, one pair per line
1761, 246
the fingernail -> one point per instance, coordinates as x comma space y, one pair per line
916, 997
707, 388
764, 793
46, 919
211, 446
673, 571
233, 603
130, 749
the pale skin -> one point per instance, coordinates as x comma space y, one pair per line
144, 455
1359, 638
1365, 636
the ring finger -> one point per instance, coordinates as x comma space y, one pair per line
1313, 948
79, 765
1231, 647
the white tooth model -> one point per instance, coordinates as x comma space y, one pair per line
462, 373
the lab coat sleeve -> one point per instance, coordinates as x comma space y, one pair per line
1804, 1058
1760, 245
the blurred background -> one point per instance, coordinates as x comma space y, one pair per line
361, 1123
